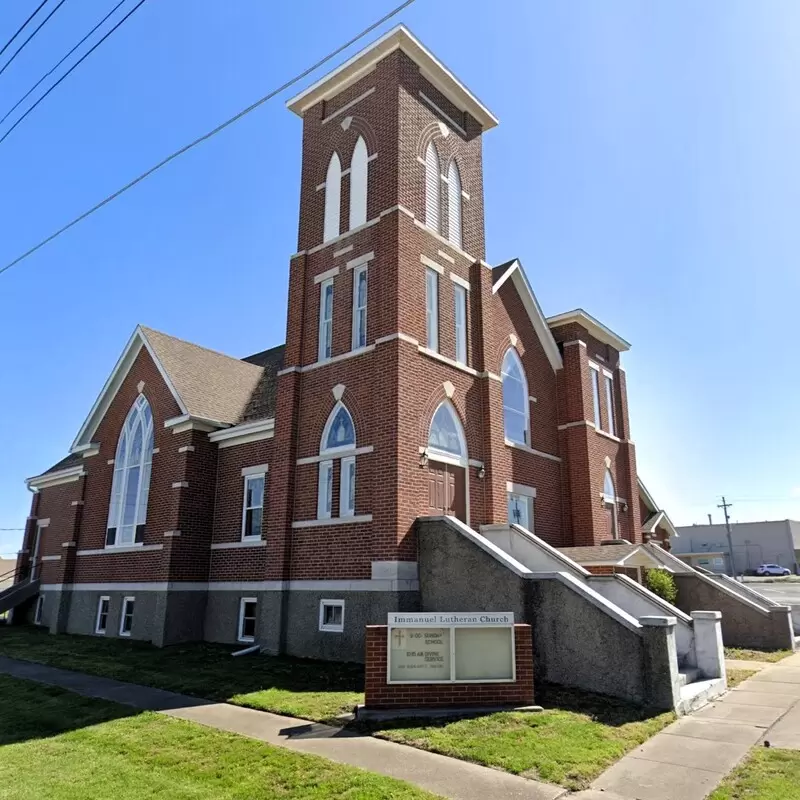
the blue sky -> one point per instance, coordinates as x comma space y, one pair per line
646, 168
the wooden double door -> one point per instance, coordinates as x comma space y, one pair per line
447, 490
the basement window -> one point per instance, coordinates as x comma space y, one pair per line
331, 616
101, 623
126, 618
247, 619
37, 617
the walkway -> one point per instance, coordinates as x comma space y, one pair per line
447, 777
688, 759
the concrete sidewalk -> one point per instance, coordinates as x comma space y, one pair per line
447, 777
688, 759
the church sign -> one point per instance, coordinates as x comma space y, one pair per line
437, 647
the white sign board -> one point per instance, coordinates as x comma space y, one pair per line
436, 647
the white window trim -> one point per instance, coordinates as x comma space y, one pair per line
322, 490
357, 272
608, 385
240, 637
97, 629
460, 300
125, 601
344, 489
39, 611
245, 508
530, 502
594, 374
432, 309
330, 628
323, 323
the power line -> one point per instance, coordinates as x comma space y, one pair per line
22, 27
71, 69
205, 137
22, 46
48, 74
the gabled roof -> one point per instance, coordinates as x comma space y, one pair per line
592, 325
514, 272
206, 385
398, 38
657, 516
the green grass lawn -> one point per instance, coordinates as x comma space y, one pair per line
570, 743
61, 746
303, 688
736, 676
767, 774
743, 654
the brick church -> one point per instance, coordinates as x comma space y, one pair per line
273, 499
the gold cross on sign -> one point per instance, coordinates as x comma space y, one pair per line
399, 637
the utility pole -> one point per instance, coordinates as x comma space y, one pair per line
725, 506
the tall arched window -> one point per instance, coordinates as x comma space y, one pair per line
333, 199
515, 399
454, 204
608, 487
358, 184
338, 437
446, 435
433, 191
131, 485
610, 504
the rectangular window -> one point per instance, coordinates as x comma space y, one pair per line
126, 618
101, 622
432, 308
594, 373
37, 616
461, 324
331, 615
253, 513
360, 307
325, 490
520, 510
347, 487
247, 619
326, 319
609, 381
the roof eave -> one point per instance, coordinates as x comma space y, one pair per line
593, 326
398, 38
517, 275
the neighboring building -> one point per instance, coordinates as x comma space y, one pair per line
754, 543
274, 498
7, 567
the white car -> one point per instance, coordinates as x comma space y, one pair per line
772, 569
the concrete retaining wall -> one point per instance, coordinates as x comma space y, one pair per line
579, 638
744, 622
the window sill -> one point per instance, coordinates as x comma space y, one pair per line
318, 523
426, 351
243, 543
120, 549
246, 639
525, 448
330, 629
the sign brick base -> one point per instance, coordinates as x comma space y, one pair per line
382, 695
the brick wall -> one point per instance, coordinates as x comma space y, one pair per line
380, 694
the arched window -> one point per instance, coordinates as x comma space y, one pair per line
433, 193
131, 485
358, 184
446, 434
454, 204
515, 399
333, 199
338, 437
608, 487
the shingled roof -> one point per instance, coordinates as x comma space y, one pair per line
211, 385
206, 384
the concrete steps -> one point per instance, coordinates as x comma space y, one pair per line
687, 675
699, 693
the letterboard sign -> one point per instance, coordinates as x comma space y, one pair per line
451, 647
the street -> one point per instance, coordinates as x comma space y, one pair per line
784, 593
